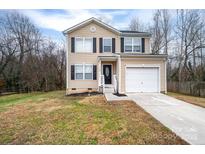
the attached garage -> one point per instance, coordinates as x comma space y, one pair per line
142, 79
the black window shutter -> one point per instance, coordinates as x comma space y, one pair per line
72, 72
113, 45
94, 72
72, 44
143, 45
101, 45
94, 45
122, 44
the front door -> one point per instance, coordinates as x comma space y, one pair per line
107, 72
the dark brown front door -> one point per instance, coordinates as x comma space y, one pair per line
107, 72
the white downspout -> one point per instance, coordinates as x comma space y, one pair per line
165, 67
67, 62
119, 74
99, 74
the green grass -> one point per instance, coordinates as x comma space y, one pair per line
10, 100
200, 101
53, 118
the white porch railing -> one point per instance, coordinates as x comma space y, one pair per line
115, 82
102, 83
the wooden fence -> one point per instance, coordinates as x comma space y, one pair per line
191, 88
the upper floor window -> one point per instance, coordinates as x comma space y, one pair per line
83, 44
107, 44
132, 44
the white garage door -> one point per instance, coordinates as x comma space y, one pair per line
140, 79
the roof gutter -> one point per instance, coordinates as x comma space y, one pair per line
136, 34
143, 56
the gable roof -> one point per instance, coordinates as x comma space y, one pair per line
106, 26
90, 20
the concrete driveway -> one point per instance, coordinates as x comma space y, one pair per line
186, 120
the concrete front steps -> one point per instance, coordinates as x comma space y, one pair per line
109, 89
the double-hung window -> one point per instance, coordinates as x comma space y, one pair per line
88, 70
132, 44
79, 72
83, 44
84, 72
128, 44
107, 44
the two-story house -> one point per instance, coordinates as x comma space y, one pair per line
102, 58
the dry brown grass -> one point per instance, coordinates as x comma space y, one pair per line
53, 118
189, 99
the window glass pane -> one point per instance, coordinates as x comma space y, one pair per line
88, 68
128, 48
128, 41
88, 45
79, 71
136, 49
79, 44
79, 68
107, 44
107, 48
79, 75
88, 75
136, 41
88, 71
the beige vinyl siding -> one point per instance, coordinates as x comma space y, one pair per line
144, 61
147, 45
88, 58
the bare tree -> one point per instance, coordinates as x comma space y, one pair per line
188, 31
136, 24
29, 62
7, 49
166, 27
25, 35
157, 34
161, 31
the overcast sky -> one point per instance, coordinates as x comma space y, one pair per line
53, 22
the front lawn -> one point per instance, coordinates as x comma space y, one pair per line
53, 118
189, 99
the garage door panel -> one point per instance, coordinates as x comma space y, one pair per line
140, 79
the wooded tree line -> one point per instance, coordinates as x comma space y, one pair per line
181, 35
31, 62
28, 60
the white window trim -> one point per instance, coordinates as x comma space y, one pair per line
103, 44
84, 71
75, 71
133, 45
84, 44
